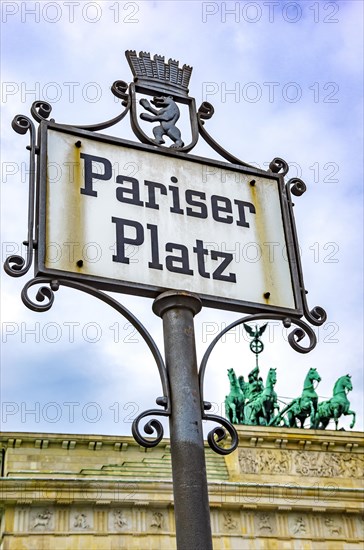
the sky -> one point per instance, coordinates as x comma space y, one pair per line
285, 79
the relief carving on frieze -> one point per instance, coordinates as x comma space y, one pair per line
333, 527
265, 523
158, 520
298, 525
120, 521
42, 520
320, 464
81, 521
230, 522
264, 461
304, 463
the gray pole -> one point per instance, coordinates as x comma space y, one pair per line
191, 503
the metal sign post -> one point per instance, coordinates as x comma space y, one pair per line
151, 227
191, 503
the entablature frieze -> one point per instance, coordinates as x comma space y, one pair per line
233, 524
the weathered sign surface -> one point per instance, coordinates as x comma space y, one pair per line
129, 218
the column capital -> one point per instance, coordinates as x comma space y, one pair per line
176, 299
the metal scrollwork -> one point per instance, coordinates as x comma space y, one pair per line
44, 293
218, 434
16, 265
298, 333
21, 124
317, 315
153, 427
279, 166
297, 186
119, 89
205, 111
40, 110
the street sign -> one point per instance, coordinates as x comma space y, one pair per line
153, 220
129, 218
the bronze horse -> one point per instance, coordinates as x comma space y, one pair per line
234, 402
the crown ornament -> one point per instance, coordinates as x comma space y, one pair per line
158, 75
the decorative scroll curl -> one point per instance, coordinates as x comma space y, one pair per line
297, 186
119, 89
43, 293
205, 111
218, 434
279, 166
16, 265
298, 333
41, 110
153, 427
21, 124
317, 315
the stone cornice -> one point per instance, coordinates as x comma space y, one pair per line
292, 438
252, 436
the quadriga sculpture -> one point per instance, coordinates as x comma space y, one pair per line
253, 404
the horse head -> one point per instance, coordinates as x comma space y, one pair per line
272, 376
314, 375
343, 383
231, 375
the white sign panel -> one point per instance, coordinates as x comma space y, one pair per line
139, 219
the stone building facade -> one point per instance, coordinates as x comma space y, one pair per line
281, 489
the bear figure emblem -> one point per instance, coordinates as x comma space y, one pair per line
166, 113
